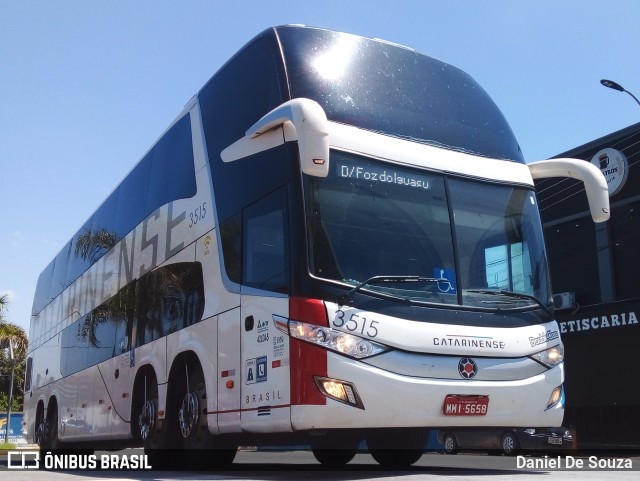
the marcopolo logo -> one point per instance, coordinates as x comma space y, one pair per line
544, 337
467, 368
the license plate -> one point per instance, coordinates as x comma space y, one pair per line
460, 405
554, 440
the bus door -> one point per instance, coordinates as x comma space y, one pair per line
265, 286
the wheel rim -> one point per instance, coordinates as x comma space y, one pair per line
508, 444
147, 419
188, 414
449, 445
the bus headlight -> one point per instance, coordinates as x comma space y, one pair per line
338, 341
550, 357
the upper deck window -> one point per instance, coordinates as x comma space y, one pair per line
396, 91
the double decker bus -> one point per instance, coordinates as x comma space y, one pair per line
336, 241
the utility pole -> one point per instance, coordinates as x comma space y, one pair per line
13, 368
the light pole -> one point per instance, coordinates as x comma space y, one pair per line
616, 86
13, 368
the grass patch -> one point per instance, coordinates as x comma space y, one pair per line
7, 446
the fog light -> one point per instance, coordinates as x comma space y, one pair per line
557, 397
341, 391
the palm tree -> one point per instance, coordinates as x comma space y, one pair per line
15, 338
13, 333
10, 331
4, 300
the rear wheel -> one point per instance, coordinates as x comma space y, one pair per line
202, 449
397, 447
48, 431
148, 428
40, 427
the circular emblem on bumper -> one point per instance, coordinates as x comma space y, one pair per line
467, 368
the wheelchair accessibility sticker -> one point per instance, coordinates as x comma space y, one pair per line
446, 280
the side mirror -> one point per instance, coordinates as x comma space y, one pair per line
300, 119
594, 182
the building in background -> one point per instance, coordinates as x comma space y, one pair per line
595, 274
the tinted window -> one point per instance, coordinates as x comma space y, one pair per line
391, 89
266, 263
159, 303
244, 90
59, 280
172, 172
42, 295
165, 174
74, 344
231, 235
169, 299
27, 375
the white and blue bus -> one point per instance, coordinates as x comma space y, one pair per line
336, 241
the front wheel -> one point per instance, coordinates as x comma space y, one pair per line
450, 444
510, 444
397, 448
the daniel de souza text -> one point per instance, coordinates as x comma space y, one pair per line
571, 462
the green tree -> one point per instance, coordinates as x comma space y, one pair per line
11, 335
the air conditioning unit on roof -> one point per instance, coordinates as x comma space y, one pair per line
564, 300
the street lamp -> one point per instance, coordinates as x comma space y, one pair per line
616, 86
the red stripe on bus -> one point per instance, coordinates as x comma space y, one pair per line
307, 360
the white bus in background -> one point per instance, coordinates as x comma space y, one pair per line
336, 241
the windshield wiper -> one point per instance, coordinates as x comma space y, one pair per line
343, 298
515, 295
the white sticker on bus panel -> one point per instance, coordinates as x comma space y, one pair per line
443, 338
264, 365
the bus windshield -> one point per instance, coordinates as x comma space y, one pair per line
370, 218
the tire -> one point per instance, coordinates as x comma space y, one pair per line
335, 449
397, 448
333, 458
450, 444
510, 444
148, 428
40, 427
49, 441
202, 450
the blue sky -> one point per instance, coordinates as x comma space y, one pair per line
87, 86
